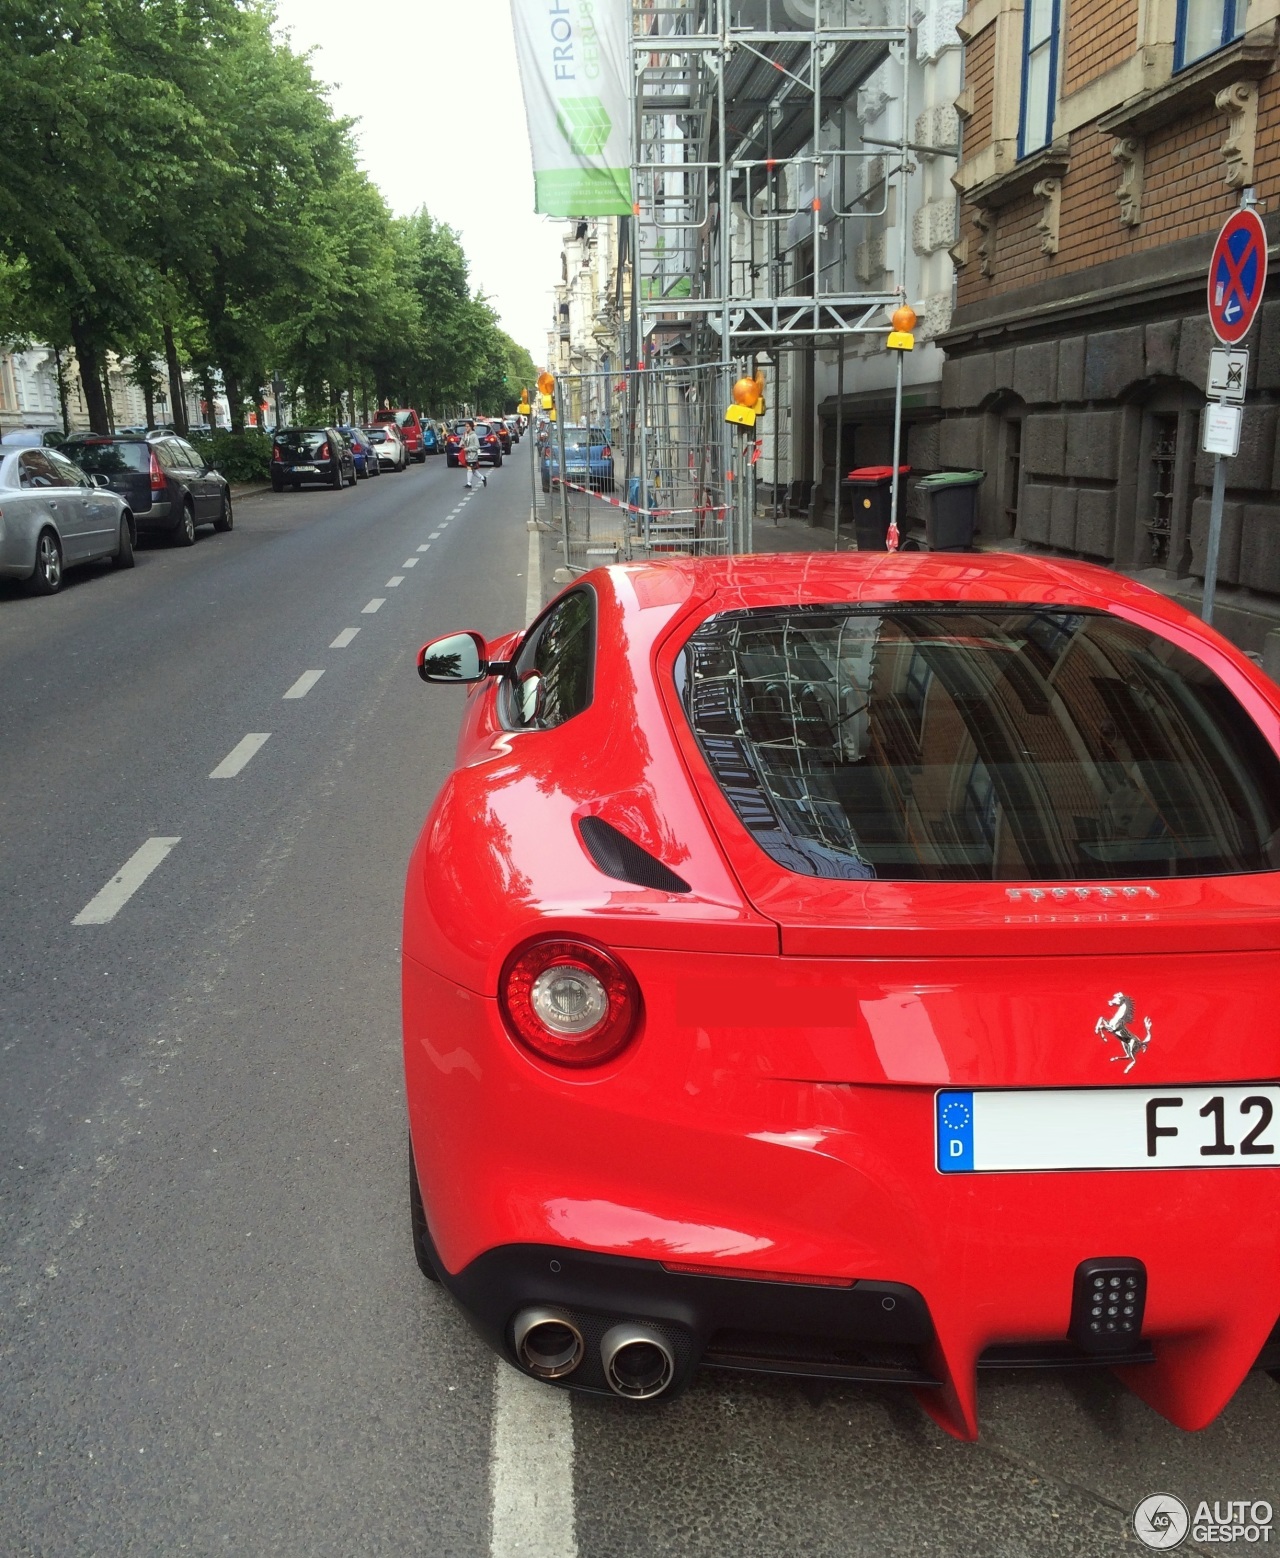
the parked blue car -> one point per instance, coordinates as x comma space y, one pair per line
588, 458
362, 451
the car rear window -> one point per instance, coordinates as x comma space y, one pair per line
110, 459
939, 743
299, 442
405, 418
375, 435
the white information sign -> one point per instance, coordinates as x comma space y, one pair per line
1222, 429
1228, 372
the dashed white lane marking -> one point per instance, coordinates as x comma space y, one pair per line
409, 562
104, 906
344, 638
531, 1469
436, 534
375, 604
240, 754
425, 547
304, 684
393, 581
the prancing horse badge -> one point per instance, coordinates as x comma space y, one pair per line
1117, 1028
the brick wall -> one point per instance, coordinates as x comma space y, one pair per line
1183, 195
979, 68
1099, 33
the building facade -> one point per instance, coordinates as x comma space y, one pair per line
1104, 142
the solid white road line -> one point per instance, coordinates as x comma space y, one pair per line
240, 754
531, 1469
344, 638
304, 684
409, 562
533, 577
375, 604
104, 906
393, 581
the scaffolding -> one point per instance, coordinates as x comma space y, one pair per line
750, 201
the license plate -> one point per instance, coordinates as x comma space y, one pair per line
305, 470
1035, 1130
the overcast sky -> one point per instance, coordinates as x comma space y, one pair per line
435, 87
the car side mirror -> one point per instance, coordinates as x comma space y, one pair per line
457, 657
99, 480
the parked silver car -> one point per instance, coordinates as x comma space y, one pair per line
53, 516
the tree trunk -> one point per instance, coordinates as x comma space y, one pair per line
90, 376
60, 372
235, 399
106, 396
206, 394
177, 394
149, 395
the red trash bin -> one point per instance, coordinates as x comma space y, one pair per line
872, 489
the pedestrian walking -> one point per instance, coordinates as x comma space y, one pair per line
471, 455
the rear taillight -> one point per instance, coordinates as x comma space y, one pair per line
606, 453
157, 475
324, 452
569, 1002
276, 452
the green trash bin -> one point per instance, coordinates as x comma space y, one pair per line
951, 509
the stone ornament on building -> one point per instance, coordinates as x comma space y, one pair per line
936, 29
985, 222
1130, 152
1239, 102
1050, 192
934, 226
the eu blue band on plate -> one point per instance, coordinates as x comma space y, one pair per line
955, 1133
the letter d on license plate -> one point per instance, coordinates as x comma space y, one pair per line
1025, 1130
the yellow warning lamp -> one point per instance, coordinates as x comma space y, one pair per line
748, 402
523, 407
546, 389
903, 320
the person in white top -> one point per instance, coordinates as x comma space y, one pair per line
471, 454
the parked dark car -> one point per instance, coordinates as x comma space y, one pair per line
499, 426
363, 453
490, 442
311, 454
169, 487
514, 428
453, 442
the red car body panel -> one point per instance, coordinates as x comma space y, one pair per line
775, 1112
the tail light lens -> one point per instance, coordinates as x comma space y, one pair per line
276, 452
606, 453
569, 1002
157, 475
324, 452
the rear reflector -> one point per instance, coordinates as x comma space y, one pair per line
741, 1273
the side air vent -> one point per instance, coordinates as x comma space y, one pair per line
618, 856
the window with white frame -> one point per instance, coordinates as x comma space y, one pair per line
1040, 73
1206, 25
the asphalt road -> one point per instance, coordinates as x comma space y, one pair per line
215, 1339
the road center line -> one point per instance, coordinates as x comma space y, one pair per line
104, 906
240, 754
436, 534
531, 1469
393, 581
409, 562
304, 684
375, 604
344, 638
425, 547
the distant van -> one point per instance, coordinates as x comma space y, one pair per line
410, 425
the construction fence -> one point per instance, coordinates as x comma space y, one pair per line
641, 464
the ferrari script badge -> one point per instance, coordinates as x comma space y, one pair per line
1117, 1028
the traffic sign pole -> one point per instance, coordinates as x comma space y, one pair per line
1237, 278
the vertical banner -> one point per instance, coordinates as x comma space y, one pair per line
575, 64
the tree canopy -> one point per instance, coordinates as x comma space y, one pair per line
175, 188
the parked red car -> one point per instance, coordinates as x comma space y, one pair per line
410, 425
857, 967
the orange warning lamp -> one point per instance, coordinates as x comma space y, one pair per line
903, 318
547, 382
746, 392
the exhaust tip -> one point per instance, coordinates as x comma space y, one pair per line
638, 1361
548, 1343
